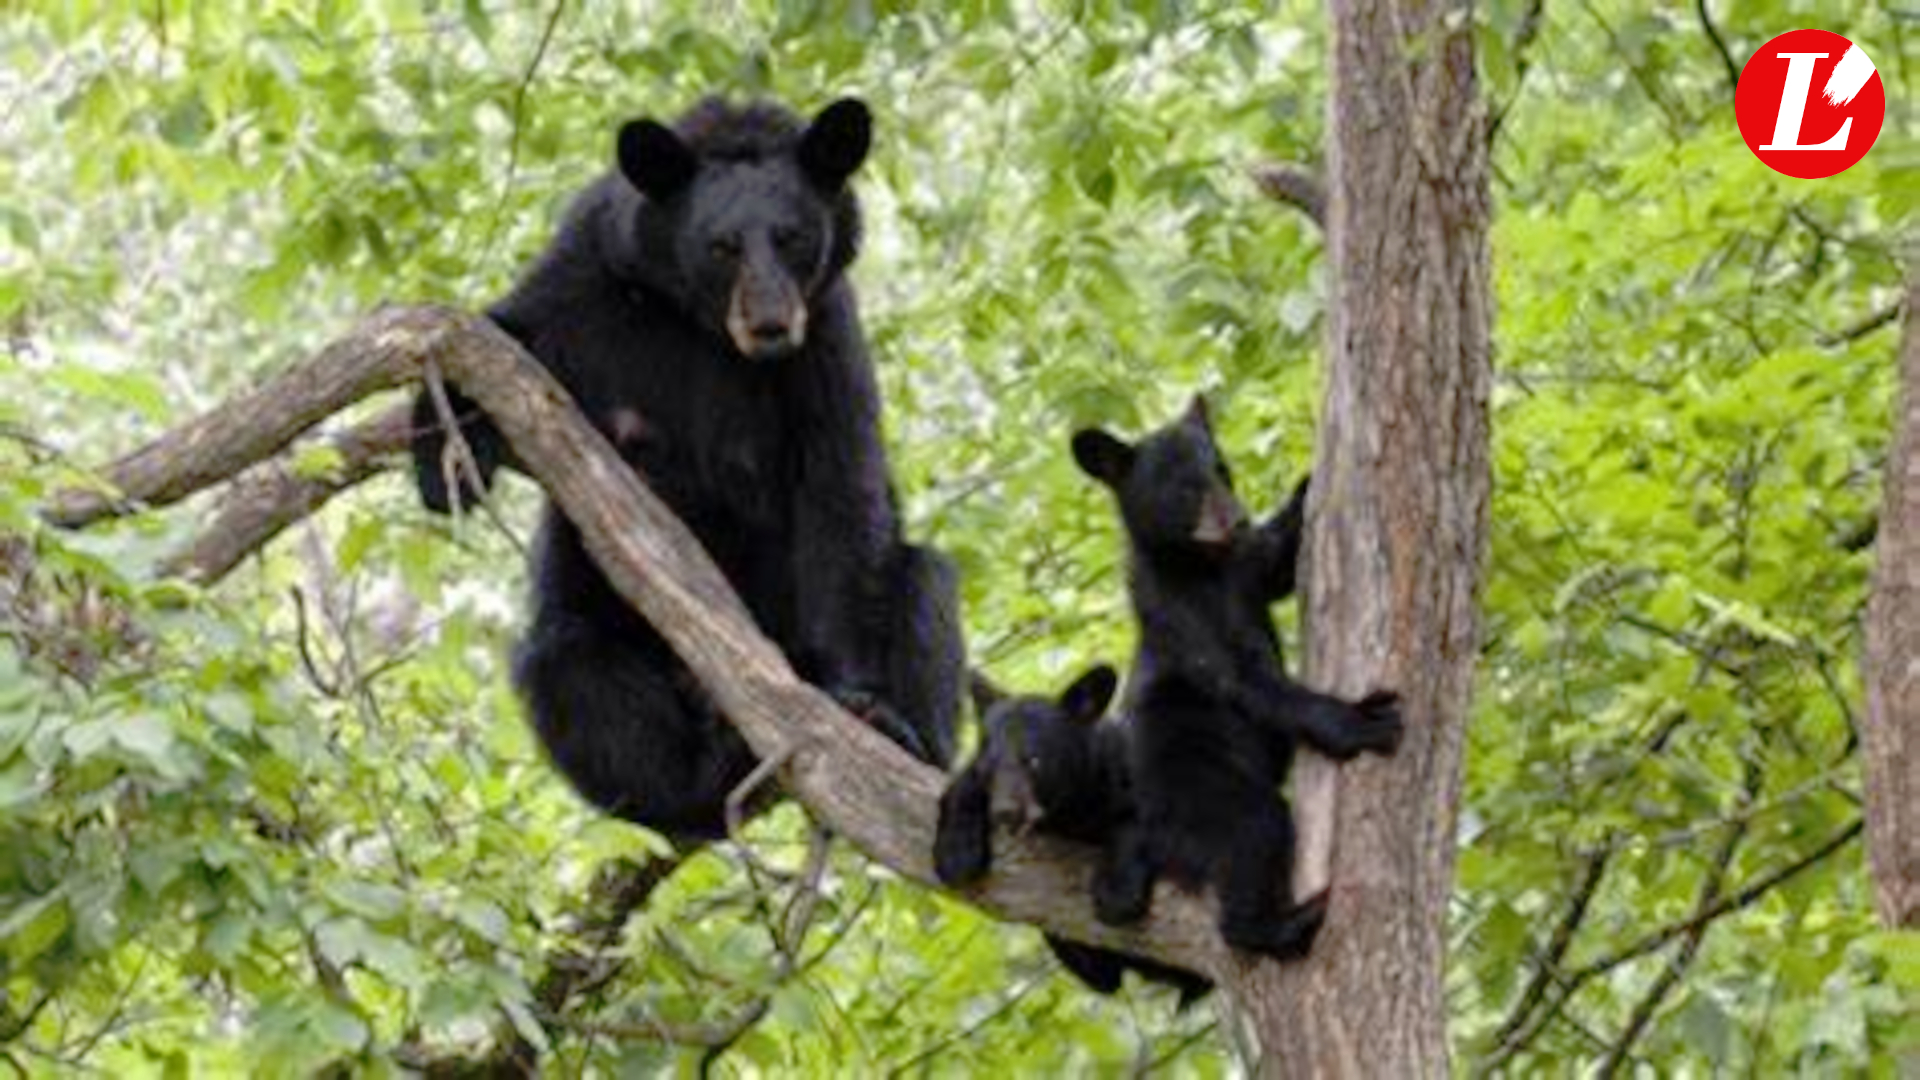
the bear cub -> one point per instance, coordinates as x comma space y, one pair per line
694, 303
1212, 716
1055, 765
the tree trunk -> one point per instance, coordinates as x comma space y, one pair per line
1891, 726
1397, 541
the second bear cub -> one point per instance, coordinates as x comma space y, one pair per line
1213, 716
1053, 764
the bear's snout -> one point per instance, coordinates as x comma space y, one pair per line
767, 318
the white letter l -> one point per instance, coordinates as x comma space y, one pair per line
1793, 105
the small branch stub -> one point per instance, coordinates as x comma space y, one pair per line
1295, 186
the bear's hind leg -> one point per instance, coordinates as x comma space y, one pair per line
628, 729
927, 662
1255, 884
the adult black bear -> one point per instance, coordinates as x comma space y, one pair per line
693, 303
1213, 716
1050, 764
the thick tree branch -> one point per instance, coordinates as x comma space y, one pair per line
260, 505
852, 779
386, 351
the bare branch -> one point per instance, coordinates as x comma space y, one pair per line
1724, 905
386, 351
851, 778
519, 107
260, 505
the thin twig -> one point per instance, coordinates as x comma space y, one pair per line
1523, 38
1691, 938
1724, 905
457, 460
1719, 45
513, 142
965, 1034
328, 686
1886, 316
1547, 963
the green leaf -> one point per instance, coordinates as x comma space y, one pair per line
372, 900
186, 123
33, 927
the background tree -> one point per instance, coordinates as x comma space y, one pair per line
1890, 728
239, 829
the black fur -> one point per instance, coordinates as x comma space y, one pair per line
1214, 717
1053, 765
693, 303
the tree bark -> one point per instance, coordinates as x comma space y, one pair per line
1397, 541
259, 506
1890, 735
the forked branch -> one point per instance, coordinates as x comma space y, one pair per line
850, 778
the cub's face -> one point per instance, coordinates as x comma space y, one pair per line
1047, 747
755, 237
1174, 489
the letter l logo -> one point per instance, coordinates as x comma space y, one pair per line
1793, 106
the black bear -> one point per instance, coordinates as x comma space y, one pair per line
693, 302
1050, 764
1213, 717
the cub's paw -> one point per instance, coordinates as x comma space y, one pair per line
961, 851
1301, 926
1289, 937
1377, 722
1122, 898
880, 716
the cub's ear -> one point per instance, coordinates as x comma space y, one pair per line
836, 143
984, 693
1106, 458
1199, 413
654, 160
1087, 699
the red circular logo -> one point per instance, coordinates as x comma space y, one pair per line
1810, 104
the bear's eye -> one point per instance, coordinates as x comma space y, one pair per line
724, 247
786, 238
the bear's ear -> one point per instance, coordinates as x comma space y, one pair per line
654, 160
1086, 701
1198, 413
1106, 458
984, 693
836, 143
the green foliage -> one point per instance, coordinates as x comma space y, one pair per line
240, 834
